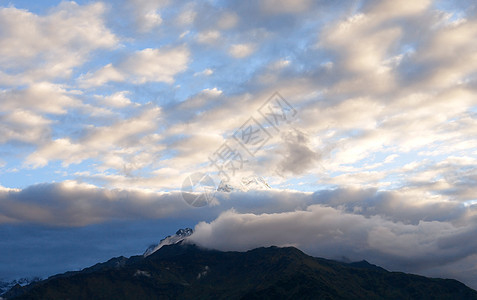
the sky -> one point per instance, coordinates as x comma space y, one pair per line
360, 115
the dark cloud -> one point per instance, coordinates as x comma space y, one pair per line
395, 206
297, 154
73, 204
69, 204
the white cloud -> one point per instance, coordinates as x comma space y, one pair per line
23, 111
148, 65
156, 64
279, 64
118, 99
443, 51
32, 45
98, 142
24, 126
399, 8
209, 37
104, 75
241, 50
62, 149
42, 97
206, 72
212, 92
362, 225
390, 158
146, 13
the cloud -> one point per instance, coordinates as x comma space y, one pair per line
353, 97
396, 230
206, 72
146, 13
24, 126
72, 204
453, 177
104, 75
43, 97
201, 99
30, 48
357, 224
148, 65
285, 6
187, 16
118, 140
156, 64
385, 94
297, 153
24, 111
398, 8
438, 56
118, 99
399, 230
208, 37
241, 50
228, 20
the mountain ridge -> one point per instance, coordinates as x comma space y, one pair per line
245, 184
185, 271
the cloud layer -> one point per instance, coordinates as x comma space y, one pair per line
373, 80
413, 235
396, 230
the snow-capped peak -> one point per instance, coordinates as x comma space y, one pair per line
180, 235
6, 286
245, 184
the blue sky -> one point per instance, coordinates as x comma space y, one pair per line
106, 107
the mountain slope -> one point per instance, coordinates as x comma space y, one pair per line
180, 235
183, 271
7, 285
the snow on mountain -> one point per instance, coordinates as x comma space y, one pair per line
245, 184
7, 285
180, 235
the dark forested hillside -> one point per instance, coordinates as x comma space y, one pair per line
184, 271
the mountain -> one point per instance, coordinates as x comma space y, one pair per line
186, 271
244, 184
7, 285
180, 235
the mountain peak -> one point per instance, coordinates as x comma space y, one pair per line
364, 264
180, 235
184, 232
243, 185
